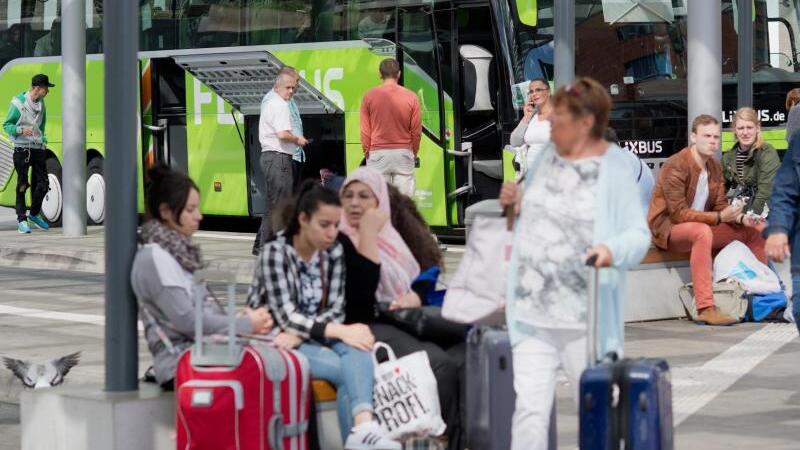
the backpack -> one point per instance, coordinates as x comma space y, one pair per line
729, 297
767, 307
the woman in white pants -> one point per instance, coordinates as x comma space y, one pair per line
578, 199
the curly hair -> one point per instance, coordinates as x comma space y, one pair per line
407, 220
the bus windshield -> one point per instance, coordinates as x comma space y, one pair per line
643, 54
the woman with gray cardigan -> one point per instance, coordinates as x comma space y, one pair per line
161, 276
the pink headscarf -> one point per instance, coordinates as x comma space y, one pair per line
398, 266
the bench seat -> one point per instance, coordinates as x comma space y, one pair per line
323, 391
656, 255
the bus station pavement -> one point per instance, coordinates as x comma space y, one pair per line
733, 387
51, 250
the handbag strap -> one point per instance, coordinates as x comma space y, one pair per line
508, 211
324, 282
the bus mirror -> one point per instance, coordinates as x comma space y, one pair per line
476, 67
528, 14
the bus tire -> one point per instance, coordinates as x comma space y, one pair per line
95, 191
54, 199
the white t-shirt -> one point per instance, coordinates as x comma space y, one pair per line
537, 135
275, 117
701, 194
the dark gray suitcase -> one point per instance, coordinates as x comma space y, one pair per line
490, 391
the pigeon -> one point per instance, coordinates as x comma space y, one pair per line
42, 375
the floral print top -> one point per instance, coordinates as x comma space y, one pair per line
556, 229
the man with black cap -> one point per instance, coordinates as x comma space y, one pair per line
25, 124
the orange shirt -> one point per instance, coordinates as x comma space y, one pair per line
390, 118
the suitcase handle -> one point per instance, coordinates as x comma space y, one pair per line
591, 312
201, 279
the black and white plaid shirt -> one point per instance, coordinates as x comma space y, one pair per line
276, 285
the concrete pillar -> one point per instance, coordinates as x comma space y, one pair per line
564, 38
705, 59
744, 90
73, 105
120, 23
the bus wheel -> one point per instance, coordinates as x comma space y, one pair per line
54, 200
95, 191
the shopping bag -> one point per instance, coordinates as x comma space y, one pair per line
405, 395
477, 292
736, 261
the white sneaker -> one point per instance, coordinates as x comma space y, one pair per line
370, 436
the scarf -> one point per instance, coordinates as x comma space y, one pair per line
296, 121
398, 266
35, 107
176, 244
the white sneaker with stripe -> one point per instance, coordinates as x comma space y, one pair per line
369, 436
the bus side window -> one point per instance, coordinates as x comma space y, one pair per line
374, 23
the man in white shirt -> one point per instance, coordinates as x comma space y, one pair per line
278, 145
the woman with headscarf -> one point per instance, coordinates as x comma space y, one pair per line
380, 275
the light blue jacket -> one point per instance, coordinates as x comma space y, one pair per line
619, 224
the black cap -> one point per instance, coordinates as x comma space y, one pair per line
41, 80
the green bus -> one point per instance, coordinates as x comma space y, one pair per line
206, 64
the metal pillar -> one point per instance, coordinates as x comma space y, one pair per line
564, 41
744, 90
120, 45
705, 59
73, 105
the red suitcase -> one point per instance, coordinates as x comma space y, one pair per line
231, 395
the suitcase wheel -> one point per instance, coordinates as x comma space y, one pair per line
275, 432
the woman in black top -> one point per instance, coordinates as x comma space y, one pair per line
365, 255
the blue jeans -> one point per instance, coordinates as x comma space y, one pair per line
796, 299
347, 368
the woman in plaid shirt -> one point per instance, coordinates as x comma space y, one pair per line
299, 277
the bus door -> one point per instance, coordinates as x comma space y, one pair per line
164, 114
242, 79
420, 64
478, 125
462, 62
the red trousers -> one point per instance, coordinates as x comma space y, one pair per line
702, 240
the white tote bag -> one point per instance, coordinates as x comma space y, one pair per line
405, 395
477, 292
738, 262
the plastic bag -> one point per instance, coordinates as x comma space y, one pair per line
477, 292
736, 261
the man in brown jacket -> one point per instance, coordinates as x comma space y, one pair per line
690, 213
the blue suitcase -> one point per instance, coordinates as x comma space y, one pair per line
625, 404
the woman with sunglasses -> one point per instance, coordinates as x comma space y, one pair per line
533, 131
579, 200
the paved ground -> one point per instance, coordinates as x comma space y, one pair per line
734, 387
759, 409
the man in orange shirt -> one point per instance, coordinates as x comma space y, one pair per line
391, 128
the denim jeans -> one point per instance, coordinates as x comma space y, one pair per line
350, 370
796, 299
